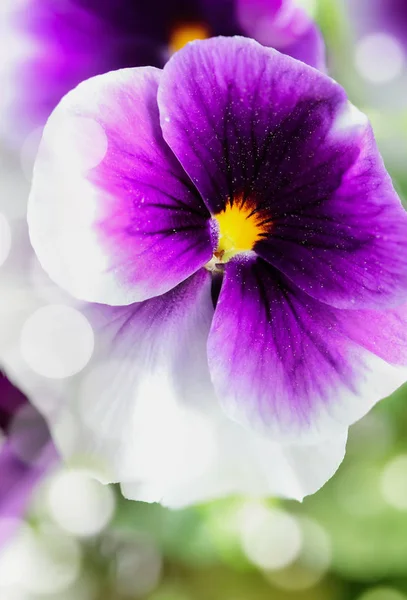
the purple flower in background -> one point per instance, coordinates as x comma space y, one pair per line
63, 43
376, 16
232, 220
26, 455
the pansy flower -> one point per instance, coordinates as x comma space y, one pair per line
52, 46
240, 255
26, 455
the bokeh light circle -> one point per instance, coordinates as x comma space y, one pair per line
382, 593
312, 562
137, 565
379, 58
79, 504
270, 537
82, 140
57, 341
393, 482
39, 562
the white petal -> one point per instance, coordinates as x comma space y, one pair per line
145, 414
111, 214
242, 462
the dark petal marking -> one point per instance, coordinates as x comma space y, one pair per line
292, 366
247, 122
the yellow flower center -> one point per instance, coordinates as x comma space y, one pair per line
240, 227
187, 32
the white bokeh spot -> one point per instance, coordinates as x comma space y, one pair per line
271, 538
57, 341
312, 562
393, 482
138, 566
79, 504
82, 140
379, 58
39, 562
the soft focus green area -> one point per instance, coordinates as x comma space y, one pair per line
348, 541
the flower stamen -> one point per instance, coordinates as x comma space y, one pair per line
240, 225
184, 33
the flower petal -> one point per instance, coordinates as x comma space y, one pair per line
113, 217
118, 410
348, 247
247, 464
285, 26
247, 122
144, 412
229, 109
309, 48
293, 366
52, 48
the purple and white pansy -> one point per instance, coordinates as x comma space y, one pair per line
238, 251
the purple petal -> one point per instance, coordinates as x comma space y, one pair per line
11, 400
27, 455
113, 217
293, 366
72, 44
228, 105
247, 122
73, 41
144, 411
284, 26
309, 48
148, 372
343, 240
52, 47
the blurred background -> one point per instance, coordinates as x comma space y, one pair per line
83, 541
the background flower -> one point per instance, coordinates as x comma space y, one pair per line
55, 46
